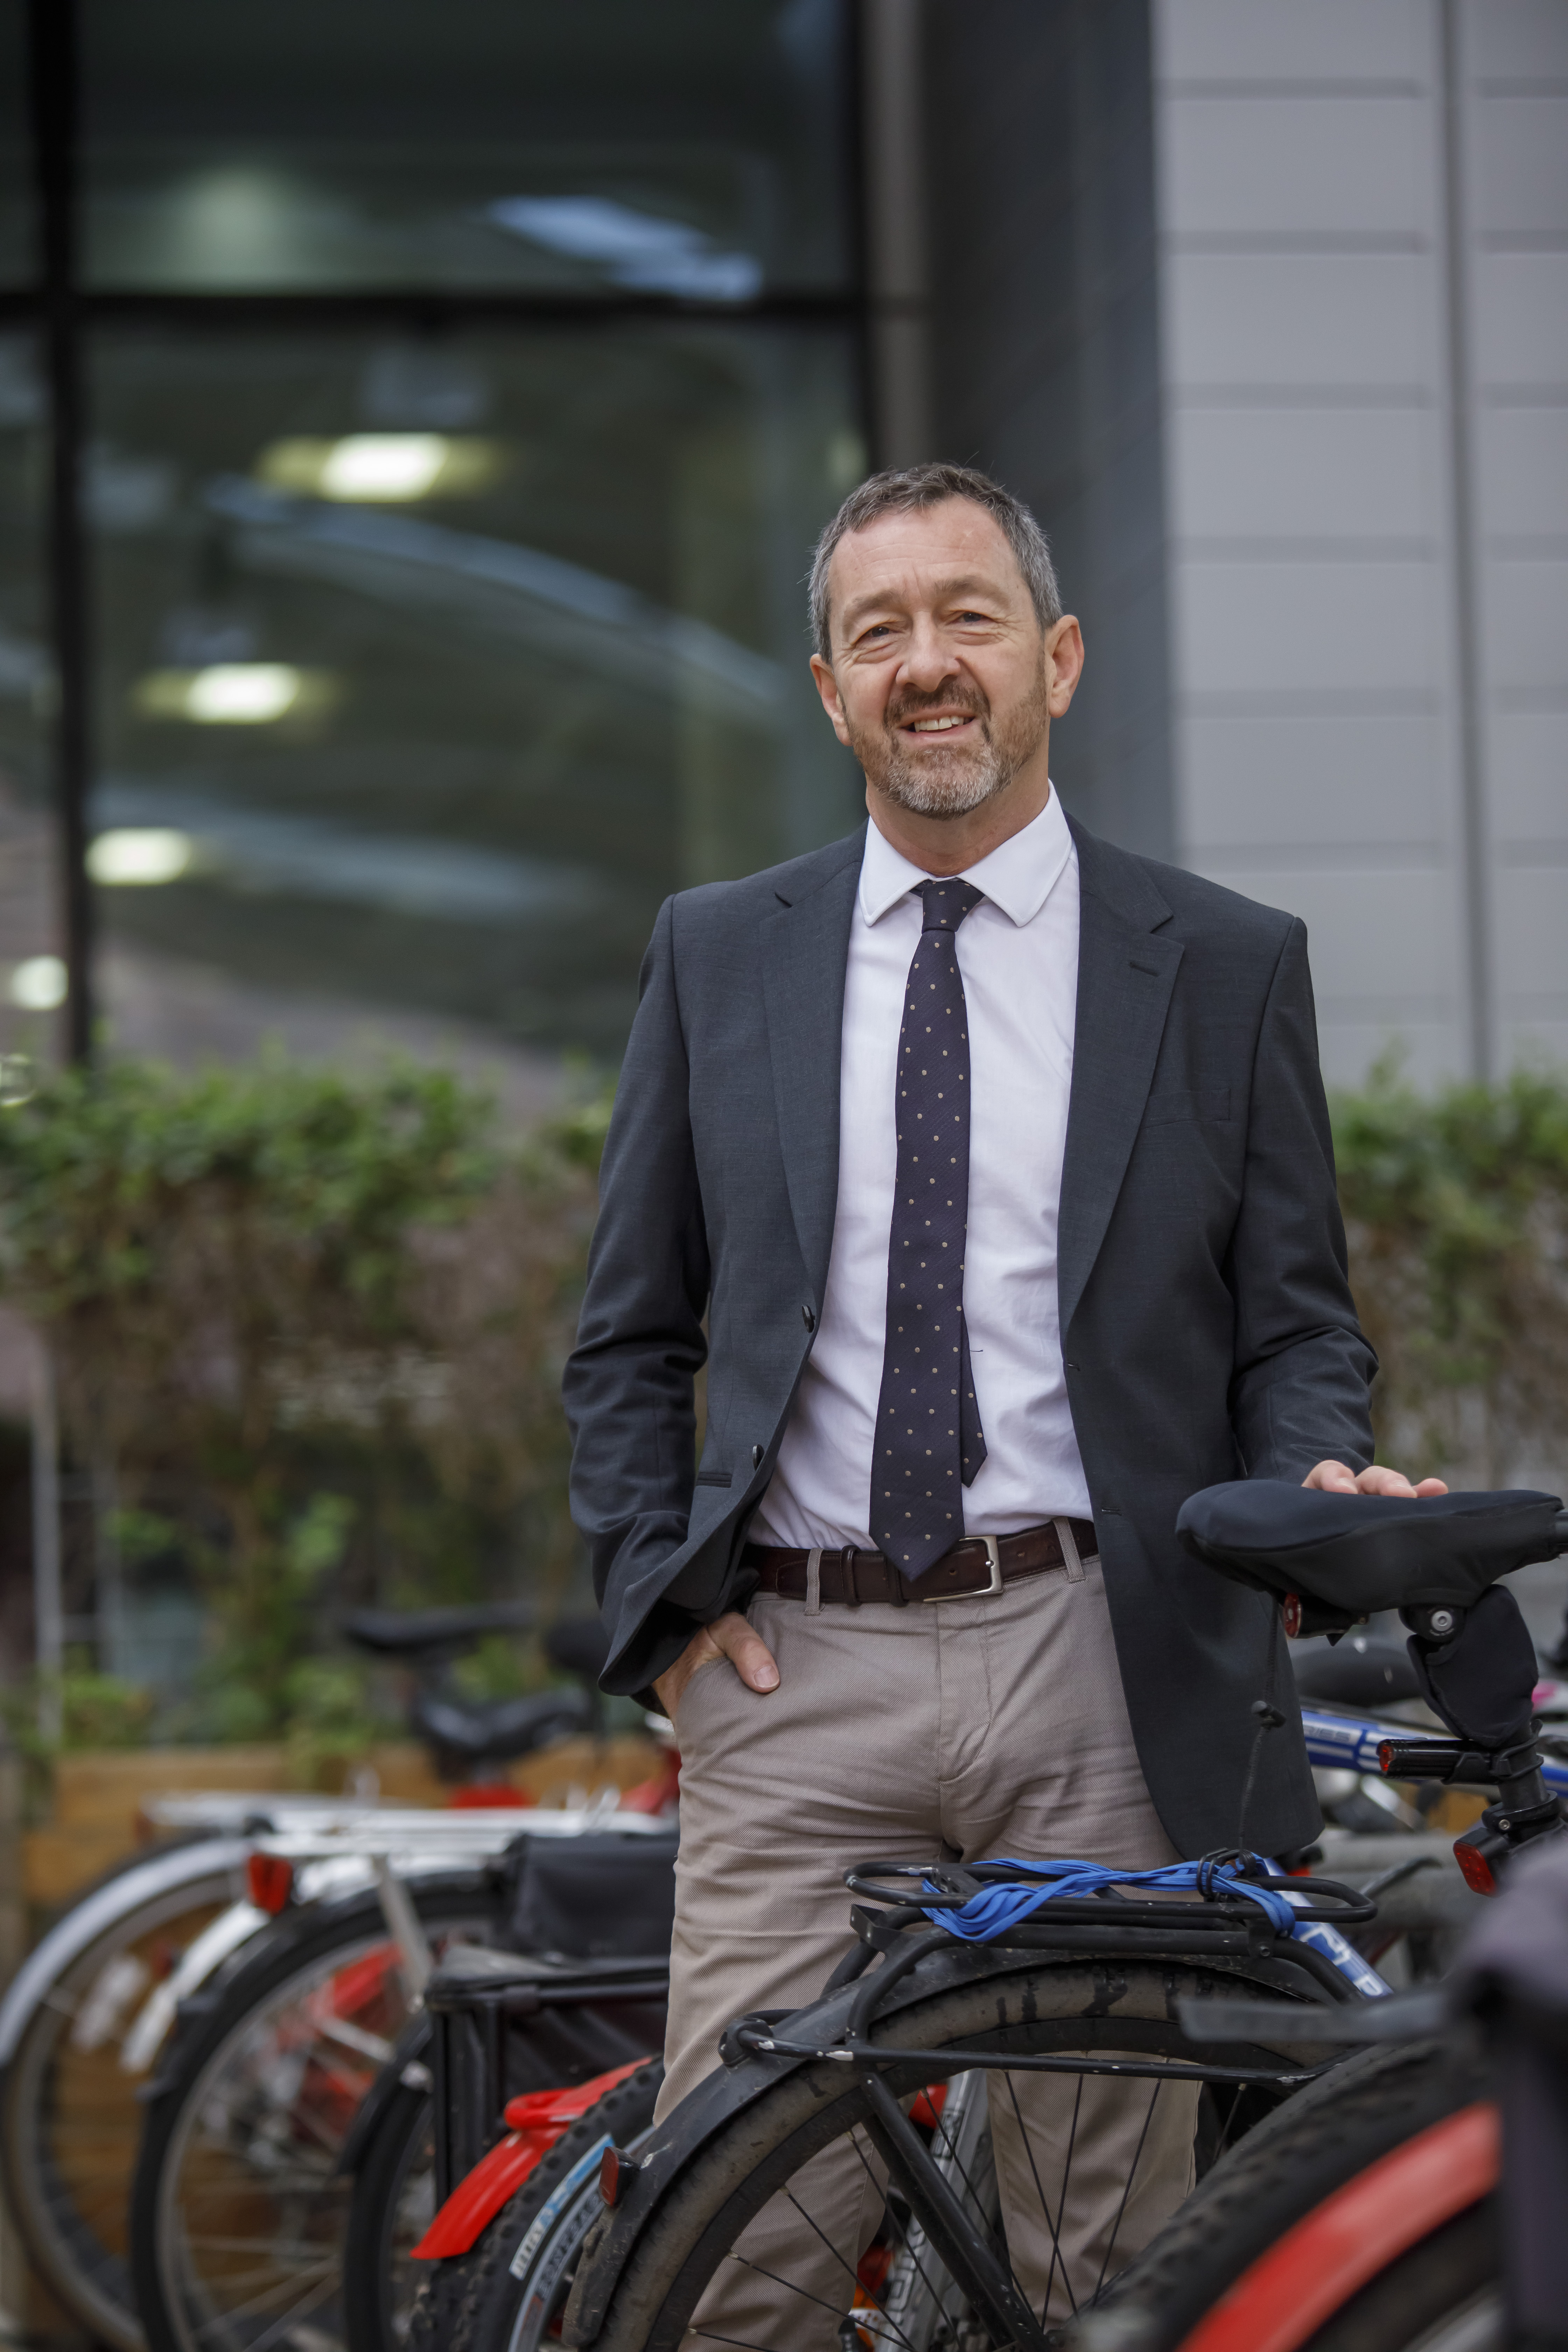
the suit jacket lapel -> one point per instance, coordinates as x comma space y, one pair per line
805, 947
1125, 974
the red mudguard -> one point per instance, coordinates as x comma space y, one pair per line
1315, 2268
537, 2120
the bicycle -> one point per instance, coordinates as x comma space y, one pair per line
90, 2010
582, 1994
1066, 1983
239, 2199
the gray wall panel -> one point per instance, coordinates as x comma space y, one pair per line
1334, 473
1298, 320
1527, 630
1310, 630
1528, 776
1524, 472
1520, 163
1314, 788
1256, 168
1248, 40
1521, 318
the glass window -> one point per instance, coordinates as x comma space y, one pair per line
32, 973
430, 667
694, 149
18, 259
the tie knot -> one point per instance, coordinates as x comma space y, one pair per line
947, 903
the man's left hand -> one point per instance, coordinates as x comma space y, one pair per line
1334, 1478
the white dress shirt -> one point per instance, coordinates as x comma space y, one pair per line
1017, 952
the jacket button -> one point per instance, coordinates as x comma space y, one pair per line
808, 1317
756, 1457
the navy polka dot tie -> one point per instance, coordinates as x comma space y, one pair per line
929, 1442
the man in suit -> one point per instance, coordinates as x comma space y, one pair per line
996, 1161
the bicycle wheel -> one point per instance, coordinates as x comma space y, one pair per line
70, 2117
810, 2139
391, 2205
1242, 2262
237, 2210
507, 2292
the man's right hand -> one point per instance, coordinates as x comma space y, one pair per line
728, 1637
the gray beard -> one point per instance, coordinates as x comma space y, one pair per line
949, 784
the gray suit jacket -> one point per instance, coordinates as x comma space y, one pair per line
1206, 1321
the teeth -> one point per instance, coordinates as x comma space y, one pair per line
936, 726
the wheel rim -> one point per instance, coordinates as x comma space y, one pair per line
251, 2209
73, 2121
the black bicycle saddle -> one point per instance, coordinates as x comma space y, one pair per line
1355, 1553
1361, 1672
425, 1632
465, 1732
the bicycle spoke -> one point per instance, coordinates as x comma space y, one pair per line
1126, 2191
804, 2292
1235, 2109
844, 2263
1053, 2227
322, 2285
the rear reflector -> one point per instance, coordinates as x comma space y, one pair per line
269, 1882
1474, 1868
1290, 1609
615, 2169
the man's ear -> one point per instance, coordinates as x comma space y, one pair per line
827, 686
1064, 656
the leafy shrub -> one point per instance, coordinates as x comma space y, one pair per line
1457, 1209
306, 1333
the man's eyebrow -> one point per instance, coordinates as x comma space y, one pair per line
964, 584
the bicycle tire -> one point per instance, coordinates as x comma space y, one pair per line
1027, 2006
70, 2122
474, 2302
184, 2307
1282, 2172
399, 2161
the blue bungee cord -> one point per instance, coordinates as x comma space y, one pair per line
989, 1914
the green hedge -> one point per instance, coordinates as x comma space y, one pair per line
306, 1331
1456, 1209
309, 1330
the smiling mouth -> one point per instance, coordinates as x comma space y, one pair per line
939, 725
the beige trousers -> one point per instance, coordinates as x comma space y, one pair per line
961, 1729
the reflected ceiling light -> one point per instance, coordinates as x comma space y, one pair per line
38, 984
231, 694
663, 257
383, 468
139, 855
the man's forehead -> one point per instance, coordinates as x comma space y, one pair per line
932, 552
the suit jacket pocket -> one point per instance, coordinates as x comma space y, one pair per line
1168, 1103
713, 1477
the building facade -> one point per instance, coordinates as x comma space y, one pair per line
1266, 307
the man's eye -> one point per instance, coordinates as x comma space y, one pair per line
972, 616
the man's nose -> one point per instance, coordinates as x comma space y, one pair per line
927, 661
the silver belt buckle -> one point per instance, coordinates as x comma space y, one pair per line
929, 1599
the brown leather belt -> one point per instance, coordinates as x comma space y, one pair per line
978, 1564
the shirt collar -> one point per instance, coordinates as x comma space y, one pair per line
1019, 877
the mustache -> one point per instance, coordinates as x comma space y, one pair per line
907, 705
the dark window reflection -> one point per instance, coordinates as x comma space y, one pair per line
32, 972
429, 667
18, 255
695, 148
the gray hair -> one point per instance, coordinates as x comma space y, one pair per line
908, 490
